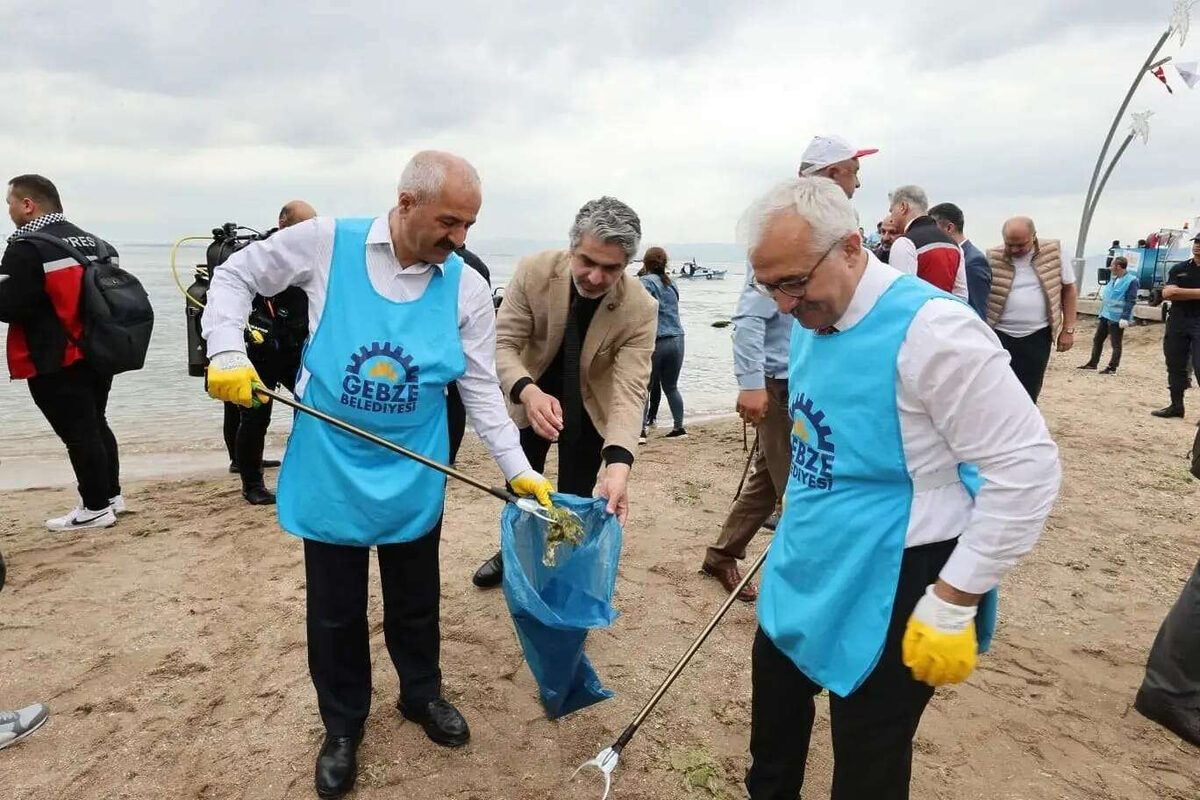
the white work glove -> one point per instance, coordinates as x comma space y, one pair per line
1123, 324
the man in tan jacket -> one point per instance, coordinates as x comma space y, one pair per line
574, 337
1032, 300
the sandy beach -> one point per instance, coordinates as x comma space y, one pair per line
171, 647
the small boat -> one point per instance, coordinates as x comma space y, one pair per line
692, 270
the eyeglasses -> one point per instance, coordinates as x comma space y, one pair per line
795, 288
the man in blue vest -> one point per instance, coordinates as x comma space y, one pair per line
920, 473
1116, 312
394, 317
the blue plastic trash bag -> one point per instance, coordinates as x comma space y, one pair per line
989, 605
553, 608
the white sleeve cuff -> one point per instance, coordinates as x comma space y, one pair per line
223, 340
512, 463
971, 572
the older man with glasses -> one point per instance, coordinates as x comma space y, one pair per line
760, 357
911, 493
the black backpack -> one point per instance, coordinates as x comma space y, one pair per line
113, 306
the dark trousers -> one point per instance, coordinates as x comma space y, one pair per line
873, 727
456, 417
578, 461
245, 429
1107, 329
1181, 342
1029, 356
665, 366
74, 401
339, 649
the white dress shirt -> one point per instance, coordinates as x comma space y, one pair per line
959, 402
903, 257
1026, 311
300, 256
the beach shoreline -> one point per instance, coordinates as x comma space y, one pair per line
201, 461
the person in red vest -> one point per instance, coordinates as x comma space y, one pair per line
39, 299
923, 249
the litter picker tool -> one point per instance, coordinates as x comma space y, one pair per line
749, 461
606, 761
527, 504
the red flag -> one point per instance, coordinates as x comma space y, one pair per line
1162, 76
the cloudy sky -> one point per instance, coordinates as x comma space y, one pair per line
161, 119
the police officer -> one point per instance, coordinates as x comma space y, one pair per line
1181, 340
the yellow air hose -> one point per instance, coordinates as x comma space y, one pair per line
256, 335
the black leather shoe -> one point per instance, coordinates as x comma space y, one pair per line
337, 765
1088, 365
441, 721
491, 574
1182, 722
234, 469
259, 495
1109, 371
1168, 412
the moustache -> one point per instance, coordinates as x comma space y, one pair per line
447, 245
799, 311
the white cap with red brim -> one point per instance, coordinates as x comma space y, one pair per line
823, 151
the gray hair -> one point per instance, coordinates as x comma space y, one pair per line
912, 196
610, 221
818, 201
425, 174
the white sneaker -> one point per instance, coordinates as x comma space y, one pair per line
118, 504
16, 725
82, 518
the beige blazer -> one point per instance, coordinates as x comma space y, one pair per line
614, 362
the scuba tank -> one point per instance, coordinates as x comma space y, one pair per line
197, 358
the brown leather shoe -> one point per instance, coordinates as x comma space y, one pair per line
730, 577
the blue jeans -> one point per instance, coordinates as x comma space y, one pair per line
665, 365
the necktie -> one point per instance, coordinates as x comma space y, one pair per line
571, 400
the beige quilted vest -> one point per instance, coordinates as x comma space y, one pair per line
1047, 263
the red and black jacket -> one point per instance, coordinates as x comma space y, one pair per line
938, 255
39, 299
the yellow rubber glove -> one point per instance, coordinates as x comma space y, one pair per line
939, 643
231, 379
530, 483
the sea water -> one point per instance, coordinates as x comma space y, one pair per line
163, 414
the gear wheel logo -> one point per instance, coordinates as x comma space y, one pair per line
813, 450
381, 378
379, 350
813, 422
